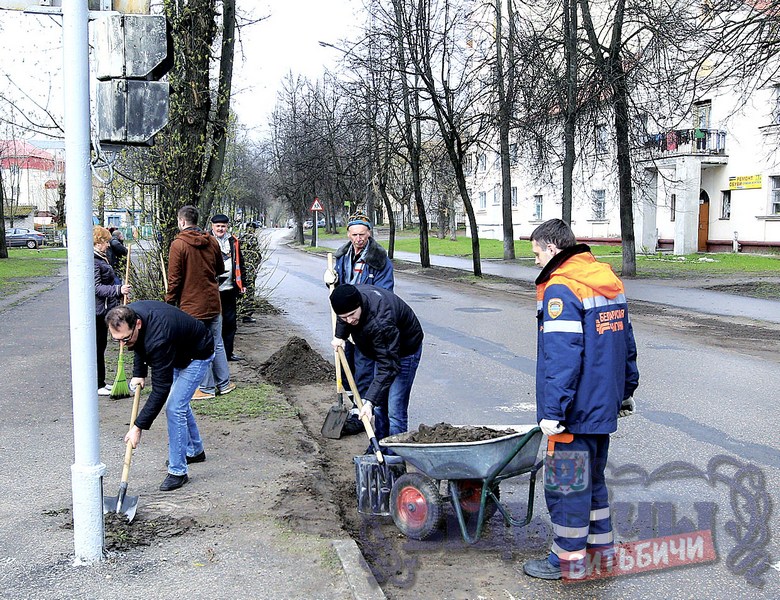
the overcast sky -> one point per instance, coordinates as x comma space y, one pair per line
286, 41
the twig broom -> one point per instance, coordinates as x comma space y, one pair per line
120, 389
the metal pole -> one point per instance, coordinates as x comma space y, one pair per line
87, 470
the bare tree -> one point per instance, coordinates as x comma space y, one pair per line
432, 32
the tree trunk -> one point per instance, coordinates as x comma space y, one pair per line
3, 243
412, 135
570, 112
504, 115
222, 117
624, 172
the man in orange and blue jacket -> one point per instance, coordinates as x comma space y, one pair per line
586, 375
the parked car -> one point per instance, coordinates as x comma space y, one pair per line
18, 236
308, 224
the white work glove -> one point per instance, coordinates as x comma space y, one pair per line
367, 410
550, 427
338, 343
628, 408
135, 381
330, 277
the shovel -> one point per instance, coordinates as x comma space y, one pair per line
356, 395
124, 504
338, 413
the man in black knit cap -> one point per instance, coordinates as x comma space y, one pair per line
385, 329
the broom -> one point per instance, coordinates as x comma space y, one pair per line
120, 389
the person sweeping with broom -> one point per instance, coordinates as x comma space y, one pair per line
107, 296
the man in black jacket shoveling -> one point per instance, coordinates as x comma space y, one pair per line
385, 329
179, 349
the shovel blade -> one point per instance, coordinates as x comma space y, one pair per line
127, 506
334, 420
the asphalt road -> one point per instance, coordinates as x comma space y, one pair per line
702, 453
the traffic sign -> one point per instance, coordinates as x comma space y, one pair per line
316, 206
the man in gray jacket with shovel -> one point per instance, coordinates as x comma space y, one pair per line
386, 330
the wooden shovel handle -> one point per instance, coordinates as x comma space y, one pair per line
331, 287
353, 386
164, 274
129, 447
127, 270
365, 419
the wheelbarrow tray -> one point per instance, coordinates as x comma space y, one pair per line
472, 460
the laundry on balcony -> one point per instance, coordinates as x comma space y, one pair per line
687, 140
671, 141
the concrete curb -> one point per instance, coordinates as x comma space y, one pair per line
359, 576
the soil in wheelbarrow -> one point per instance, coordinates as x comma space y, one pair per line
442, 433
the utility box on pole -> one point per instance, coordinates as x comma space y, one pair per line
131, 53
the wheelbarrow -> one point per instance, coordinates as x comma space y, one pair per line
472, 472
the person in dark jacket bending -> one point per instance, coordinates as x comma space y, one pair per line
179, 350
386, 330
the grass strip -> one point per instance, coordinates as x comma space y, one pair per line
246, 402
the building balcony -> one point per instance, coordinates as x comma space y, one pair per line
708, 144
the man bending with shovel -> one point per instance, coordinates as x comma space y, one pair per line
179, 349
386, 330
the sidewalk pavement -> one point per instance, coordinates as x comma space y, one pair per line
255, 559
656, 291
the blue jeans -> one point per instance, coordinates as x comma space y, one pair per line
219, 369
183, 435
392, 414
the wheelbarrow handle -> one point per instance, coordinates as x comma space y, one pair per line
359, 401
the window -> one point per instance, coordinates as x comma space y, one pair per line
514, 197
599, 205
725, 204
496, 195
701, 114
483, 200
538, 203
602, 139
775, 104
482, 162
672, 206
513, 154
774, 209
469, 164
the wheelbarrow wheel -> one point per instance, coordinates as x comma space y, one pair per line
416, 505
470, 492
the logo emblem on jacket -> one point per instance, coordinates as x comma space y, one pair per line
566, 471
554, 307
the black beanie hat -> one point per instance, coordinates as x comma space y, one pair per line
345, 298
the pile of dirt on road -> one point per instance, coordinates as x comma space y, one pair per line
296, 362
445, 433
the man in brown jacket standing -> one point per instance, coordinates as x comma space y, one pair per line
194, 263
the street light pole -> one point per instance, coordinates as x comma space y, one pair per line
87, 470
